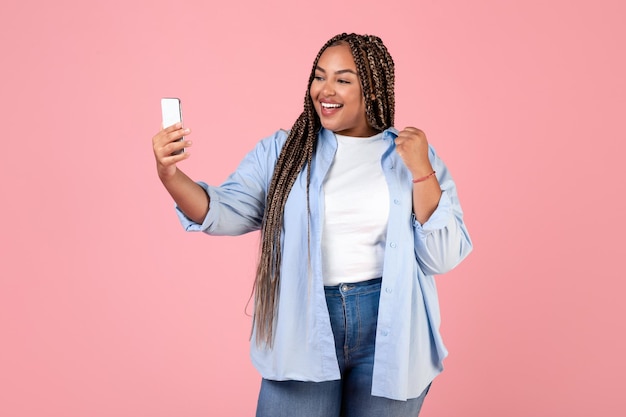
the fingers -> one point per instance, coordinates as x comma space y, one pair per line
175, 126
173, 158
170, 134
412, 129
412, 146
410, 133
169, 143
175, 148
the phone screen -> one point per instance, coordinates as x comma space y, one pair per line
171, 113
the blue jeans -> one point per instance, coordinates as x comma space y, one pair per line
353, 310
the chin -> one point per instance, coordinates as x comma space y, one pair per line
332, 127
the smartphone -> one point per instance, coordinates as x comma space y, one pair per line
172, 113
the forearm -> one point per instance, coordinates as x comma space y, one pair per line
189, 196
426, 195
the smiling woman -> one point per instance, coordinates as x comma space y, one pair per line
356, 219
337, 94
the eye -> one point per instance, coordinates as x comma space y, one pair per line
318, 78
341, 81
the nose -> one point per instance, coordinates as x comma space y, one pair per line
328, 90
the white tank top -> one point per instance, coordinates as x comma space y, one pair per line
356, 209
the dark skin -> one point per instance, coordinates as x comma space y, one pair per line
412, 146
189, 196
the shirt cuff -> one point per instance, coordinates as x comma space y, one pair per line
440, 217
191, 226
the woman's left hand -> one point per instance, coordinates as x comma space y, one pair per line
412, 146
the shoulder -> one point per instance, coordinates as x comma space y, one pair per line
268, 149
274, 141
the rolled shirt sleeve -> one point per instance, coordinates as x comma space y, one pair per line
237, 205
442, 242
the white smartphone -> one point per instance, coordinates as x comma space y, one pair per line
171, 113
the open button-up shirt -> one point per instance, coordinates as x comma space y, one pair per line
409, 349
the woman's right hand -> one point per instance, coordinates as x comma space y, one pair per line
165, 144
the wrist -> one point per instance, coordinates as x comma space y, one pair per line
420, 169
422, 178
167, 174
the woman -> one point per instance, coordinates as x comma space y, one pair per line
356, 218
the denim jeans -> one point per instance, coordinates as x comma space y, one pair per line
353, 310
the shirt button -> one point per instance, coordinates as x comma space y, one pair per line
384, 333
392, 244
388, 290
396, 201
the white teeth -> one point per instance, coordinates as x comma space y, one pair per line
331, 105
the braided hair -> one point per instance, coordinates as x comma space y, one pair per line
375, 69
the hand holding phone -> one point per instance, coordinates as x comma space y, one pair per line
172, 113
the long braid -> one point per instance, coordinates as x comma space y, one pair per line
376, 71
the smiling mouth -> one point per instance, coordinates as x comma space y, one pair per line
331, 105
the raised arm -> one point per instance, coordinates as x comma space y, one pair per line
412, 146
441, 238
189, 196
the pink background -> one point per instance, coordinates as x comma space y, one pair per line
107, 308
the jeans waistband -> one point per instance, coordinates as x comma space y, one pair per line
353, 287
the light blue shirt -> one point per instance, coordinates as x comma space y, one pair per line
409, 348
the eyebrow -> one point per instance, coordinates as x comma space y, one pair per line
343, 71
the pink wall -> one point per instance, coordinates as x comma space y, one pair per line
108, 309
